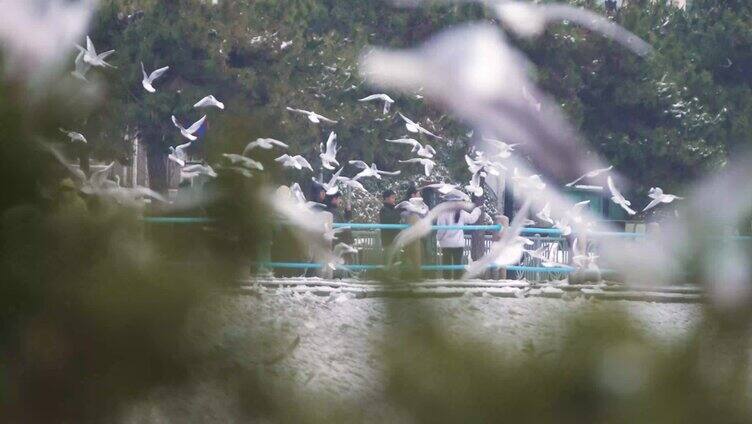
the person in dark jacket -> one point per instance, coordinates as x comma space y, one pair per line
478, 237
318, 195
389, 215
339, 214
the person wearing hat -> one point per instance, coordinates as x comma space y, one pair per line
389, 215
452, 242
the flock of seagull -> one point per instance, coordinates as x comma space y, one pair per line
480, 164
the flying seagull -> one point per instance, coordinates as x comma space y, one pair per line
297, 162
264, 143
425, 151
530, 19
92, 58
243, 161
331, 186
370, 171
352, 183
480, 163
428, 164
545, 214
178, 154
199, 169
209, 101
82, 67
382, 97
329, 155
442, 188
533, 182
312, 116
507, 251
74, 136
149, 79
188, 132
656, 193
618, 198
592, 174
459, 68
299, 197
475, 187
504, 150
415, 205
414, 127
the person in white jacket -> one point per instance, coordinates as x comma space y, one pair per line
452, 242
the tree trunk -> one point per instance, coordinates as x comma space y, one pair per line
157, 165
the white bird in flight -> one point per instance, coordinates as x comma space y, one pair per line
592, 174
339, 251
370, 171
312, 116
468, 59
533, 182
263, 143
328, 155
209, 101
480, 163
505, 252
200, 169
530, 19
74, 136
382, 97
563, 226
414, 127
442, 188
575, 214
618, 198
588, 187
428, 164
331, 186
352, 183
148, 80
243, 161
475, 188
426, 151
299, 196
188, 132
656, 193
81, 67
297, 162
583, 259
504, 150
178, 154
545, 214
91, 57
414, 205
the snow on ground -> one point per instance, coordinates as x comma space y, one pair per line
338, 334
329, 346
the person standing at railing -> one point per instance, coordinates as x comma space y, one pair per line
503, 221
340, 215
389, 215
452, 242
478, 237
318, 195
410, 215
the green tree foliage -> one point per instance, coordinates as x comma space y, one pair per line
663, 119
